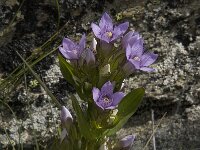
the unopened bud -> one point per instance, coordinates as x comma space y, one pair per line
66, 117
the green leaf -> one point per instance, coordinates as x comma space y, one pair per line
56, 144
130, 102
126, 109
66, 69
83, 123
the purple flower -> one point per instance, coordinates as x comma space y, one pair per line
138, 58
105, 98
106, 31
127, 141
130, 38
66, 117
71, 50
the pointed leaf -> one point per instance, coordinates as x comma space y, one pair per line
126, 109
83, 123
66, 69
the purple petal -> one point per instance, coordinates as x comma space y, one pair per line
135, 38
96, 30
148, 58
135, 63
111, 107
127, 141
96, 93
137, 48
82, 42
107, 88
128, 52
126, 38
90, 59
68, 54
147, 69
117, 97
68, 44
119, 30
106, 21
99, 104
105, 38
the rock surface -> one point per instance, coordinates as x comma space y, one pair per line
170, 28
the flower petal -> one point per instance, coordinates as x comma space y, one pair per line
111, 107
96, 93
119, 30
68, 54
90, 59
135, 38
122, 28
68, 44
126, 38
117, 97
96, 30
99, 104
105, 38
148, 58
107, 88
135, 63
137, 48
82, 42
128, 52
106, 21
147, 69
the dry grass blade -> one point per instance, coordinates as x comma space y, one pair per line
7, 86
155, 129
41, 83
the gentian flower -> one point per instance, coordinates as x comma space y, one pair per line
106, 31
138, 58
71, 50
127, 141
105, 98
131, 38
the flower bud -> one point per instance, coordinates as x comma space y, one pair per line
90, 59
127, 141
66, 117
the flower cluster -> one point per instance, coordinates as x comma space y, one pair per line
97, 73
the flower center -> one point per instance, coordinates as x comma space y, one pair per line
107, 101
136, 58
109, 34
